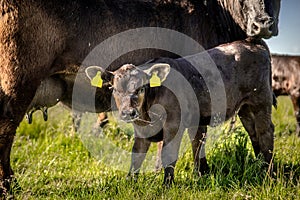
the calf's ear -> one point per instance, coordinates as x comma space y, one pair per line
97, 75
92, 71
162, 70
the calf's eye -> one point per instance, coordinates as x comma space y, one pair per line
115, 92
142, 90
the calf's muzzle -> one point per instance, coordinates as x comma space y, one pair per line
129, 114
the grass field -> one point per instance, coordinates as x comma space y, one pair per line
52, 162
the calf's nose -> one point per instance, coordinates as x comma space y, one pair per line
129, 114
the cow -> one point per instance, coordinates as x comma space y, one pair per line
52, 38
286, 80
245, 69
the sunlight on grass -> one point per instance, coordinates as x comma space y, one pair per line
51, 161
283, 117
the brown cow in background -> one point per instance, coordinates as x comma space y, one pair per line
286, 80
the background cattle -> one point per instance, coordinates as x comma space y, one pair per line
43, 38
286, 80
245, 69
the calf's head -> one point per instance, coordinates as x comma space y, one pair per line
130, 85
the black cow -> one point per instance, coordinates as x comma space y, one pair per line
245, 69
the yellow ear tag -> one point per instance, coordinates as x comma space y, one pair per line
155, 80
97, 80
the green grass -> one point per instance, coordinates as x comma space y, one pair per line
52, 162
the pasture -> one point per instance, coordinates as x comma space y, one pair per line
51, 162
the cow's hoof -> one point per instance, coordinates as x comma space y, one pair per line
8, 188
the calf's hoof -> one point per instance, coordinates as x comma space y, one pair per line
168, 181
202, 169
169, 176
132, 177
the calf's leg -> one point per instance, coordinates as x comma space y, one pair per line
198, 138
265, 132
248, 121
139, 150
257, 122
170, 150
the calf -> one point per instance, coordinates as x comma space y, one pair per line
286, 80
245, 70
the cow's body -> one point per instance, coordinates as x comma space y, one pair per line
245, 68
43, 38
286, 80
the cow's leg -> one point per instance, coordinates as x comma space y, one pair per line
16, 91
232, 123
28, 47
13, 105
198, 138
170, 150
102, 119
76, 120
7, 133
139, 150
8, 124
14, 100
296, 104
